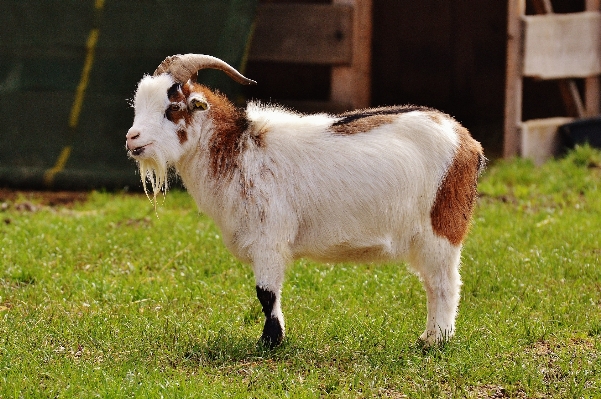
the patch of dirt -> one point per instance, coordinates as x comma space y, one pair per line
549, 355
29, 201
490, 391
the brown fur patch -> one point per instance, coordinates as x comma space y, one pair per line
454, 204
225, 143
182, 136
437, 117
364, 120
178, 109
362, 125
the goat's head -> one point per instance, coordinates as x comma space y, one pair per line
170, 112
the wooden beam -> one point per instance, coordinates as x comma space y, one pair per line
592, 86
542, 6
513, 82
593, 5
351, 85
303, 33
571, 98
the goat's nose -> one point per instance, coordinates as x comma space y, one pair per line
132, 134
130, 137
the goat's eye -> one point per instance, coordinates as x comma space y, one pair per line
173, 107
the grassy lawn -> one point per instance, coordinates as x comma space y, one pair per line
99, 297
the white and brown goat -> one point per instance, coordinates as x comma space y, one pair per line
378, 184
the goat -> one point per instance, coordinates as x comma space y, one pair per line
377, 184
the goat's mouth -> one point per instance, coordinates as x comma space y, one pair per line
138, 150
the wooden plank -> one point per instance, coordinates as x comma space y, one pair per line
571, 98
592, 5
513, 82
303, 33
351, 85
567, 87
542, 6
592, 86
592, 98
562, 45
462, 41
540, 139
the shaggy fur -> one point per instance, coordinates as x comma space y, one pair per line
372, 185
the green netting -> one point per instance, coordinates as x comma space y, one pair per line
45, 48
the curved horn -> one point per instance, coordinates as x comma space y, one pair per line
182, 67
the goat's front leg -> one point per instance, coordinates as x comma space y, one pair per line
269, 277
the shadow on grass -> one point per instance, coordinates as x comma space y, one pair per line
222, 349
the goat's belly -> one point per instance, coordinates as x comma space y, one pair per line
383, 249
347, 235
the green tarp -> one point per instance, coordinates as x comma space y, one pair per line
68, 69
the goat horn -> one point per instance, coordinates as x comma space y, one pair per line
182, 67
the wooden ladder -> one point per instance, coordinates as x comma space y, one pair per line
551, 46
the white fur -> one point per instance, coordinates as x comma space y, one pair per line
312, 193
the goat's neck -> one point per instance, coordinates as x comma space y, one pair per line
212, 162
192, 169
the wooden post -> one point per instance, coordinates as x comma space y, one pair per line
351, 85
513, 84
592, 87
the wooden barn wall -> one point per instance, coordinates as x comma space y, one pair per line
451, 55
445, 54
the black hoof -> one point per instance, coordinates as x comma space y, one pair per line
273, 335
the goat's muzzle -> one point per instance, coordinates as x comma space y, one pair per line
138, 150
132, 147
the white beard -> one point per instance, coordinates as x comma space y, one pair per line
157, 173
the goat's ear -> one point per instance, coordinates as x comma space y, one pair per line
197, 104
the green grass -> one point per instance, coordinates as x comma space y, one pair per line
102, 298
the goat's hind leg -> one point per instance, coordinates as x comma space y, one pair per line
438, 267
